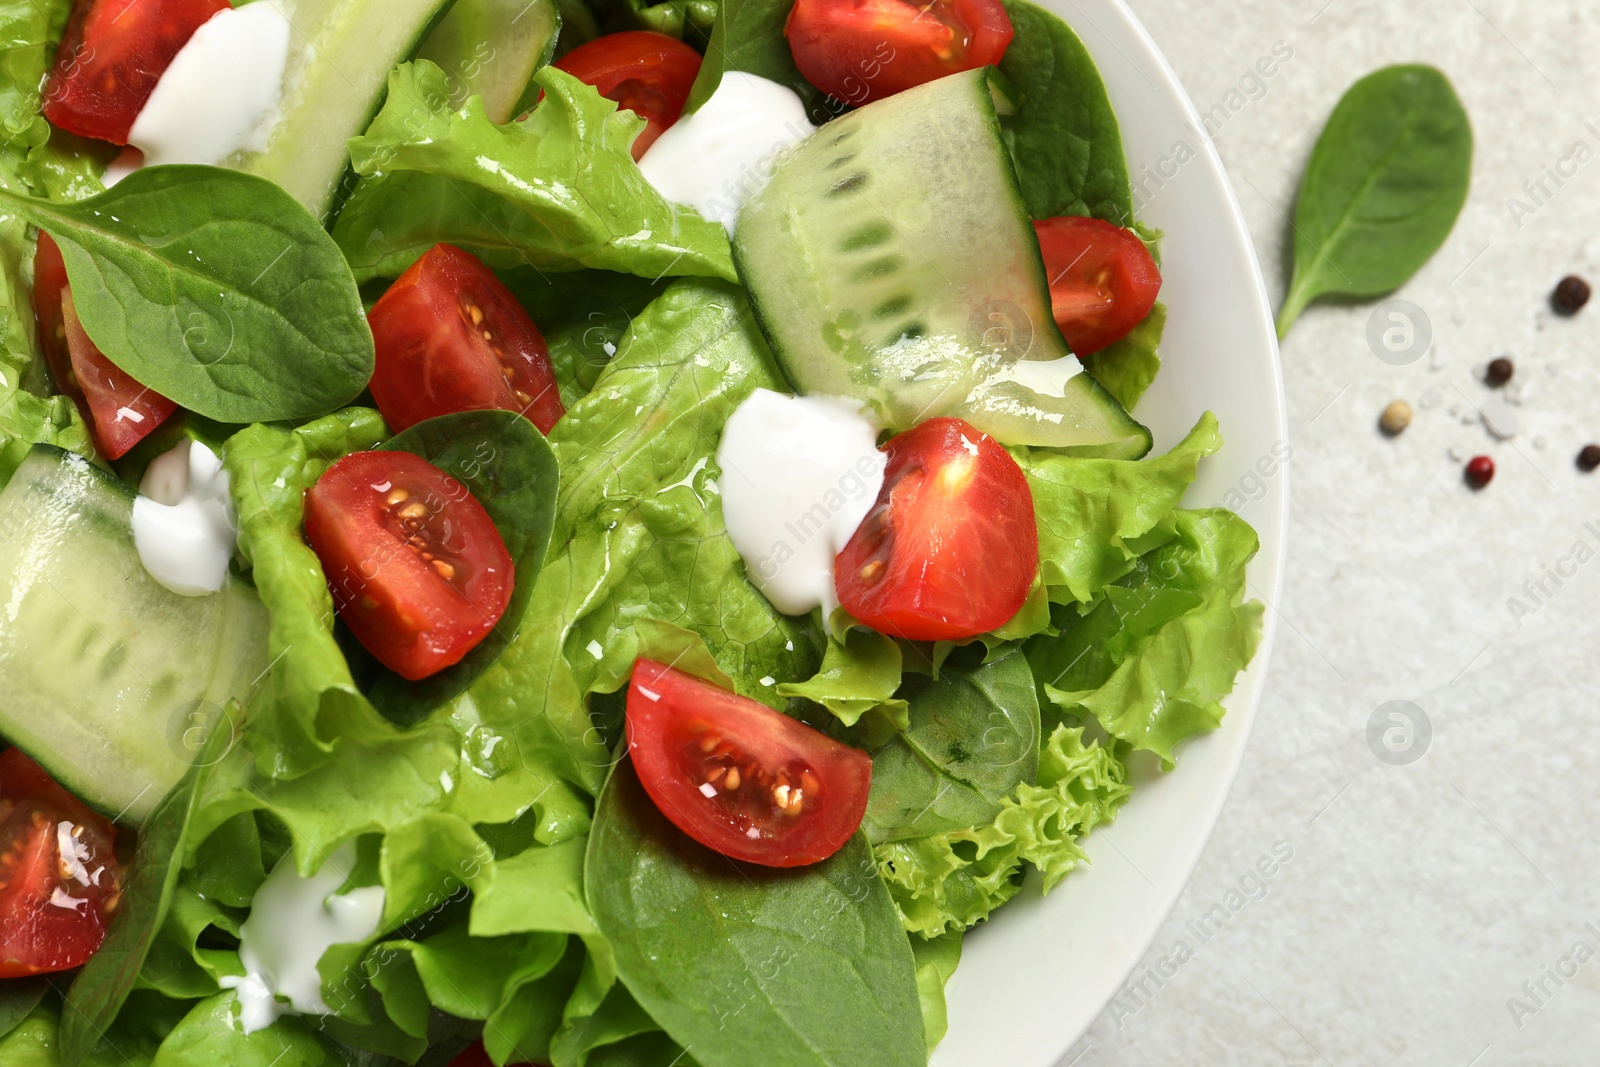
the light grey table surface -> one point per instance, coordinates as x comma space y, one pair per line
1417, 900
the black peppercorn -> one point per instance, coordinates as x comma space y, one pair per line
1572, 292
1499, 372
1589, 457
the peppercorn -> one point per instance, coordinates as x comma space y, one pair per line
1499, 372
1480, 471
1589, 457
1572, 292
1395, 418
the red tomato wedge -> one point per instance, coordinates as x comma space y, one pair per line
738, 777
859, 51
451, 337
112, 55
417, 568
60, 881
122, 411
647, 73
951, 547
1102, 280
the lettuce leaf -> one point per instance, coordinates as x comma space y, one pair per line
1153, 659
27, 416
639, 536
1127, 367
945, 882
556, 192
1098, 516
28, 32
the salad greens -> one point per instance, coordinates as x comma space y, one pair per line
215, 289
1383, 187
534, 897
509, 468
746, 964
563, 191
1064, 136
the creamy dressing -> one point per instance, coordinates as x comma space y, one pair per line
293, 921
183, 520
716, 158
798, 476
221, 93
1047, 377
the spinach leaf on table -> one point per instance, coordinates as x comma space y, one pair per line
1385, 182
1065, 140
215, 289
744, 964
509, 468
973, 738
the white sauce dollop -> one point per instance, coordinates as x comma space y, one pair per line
1047, 377
716, 158
221, 93
183, 520
799, 473
293, 921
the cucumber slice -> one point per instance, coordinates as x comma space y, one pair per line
110, 679
490, 48
341, 53
891, 259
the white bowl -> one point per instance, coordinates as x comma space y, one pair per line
1033, 978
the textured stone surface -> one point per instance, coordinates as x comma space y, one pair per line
1418, 898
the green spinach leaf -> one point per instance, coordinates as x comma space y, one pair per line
100, 988
973, 738
216, 289
18, 998
1064, 137
1385, 182
748, 36
743, 964
508, 466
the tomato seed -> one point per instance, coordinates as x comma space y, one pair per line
414, 510
444, 569
1499, 372
732, 782
1480, 471
1572, 292
477, 314
399, 496
1589, 458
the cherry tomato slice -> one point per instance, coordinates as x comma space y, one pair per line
1102, 280
60, 881
859, 51
417, 569
112, 55
951, 547
121, 411
737, 776
451, 337
647, 73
